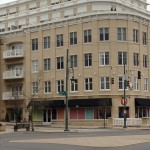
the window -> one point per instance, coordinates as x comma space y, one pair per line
34, 87
104, 34
60, 85
60, 63
146, 84
34, 44
73, 61
104, 58
88, 60
105, 84
88, 84
122, 34
136, 83
87, 36
121, 83
46, 64
34, 66
145, 61
135, 35
59, 40
47, 87
73, 38
46, 42
144, 38
136, 59
74, 86
122, 58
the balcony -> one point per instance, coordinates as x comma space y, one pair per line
13, 74
16, 53
9, 96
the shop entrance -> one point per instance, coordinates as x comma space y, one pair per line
121, 112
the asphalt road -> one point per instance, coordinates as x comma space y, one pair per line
67, 141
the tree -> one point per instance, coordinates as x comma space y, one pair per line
103, 110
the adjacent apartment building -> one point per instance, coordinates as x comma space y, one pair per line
108, 42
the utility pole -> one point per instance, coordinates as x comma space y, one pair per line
66, 93
124, 97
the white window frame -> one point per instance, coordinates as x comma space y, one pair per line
123, 58
74, 61
136, 59
46, 40
136, 84
146, 84
60, 61
74, 86
60, 86
34, 87
135, 35
34, 66
104, 34
87, 36
47, 64
73, 38
47, 87
35, 44
88, 60
105, 83
145, 61
88, 84
104, 60
122, 34
59, 40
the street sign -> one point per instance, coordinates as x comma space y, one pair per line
122, 101
62, 93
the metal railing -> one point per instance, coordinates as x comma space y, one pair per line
13, 74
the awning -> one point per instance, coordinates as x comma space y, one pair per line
46, 104
142, 102
90, 102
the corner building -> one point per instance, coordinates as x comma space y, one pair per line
103, 38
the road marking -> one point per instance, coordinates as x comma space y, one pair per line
105, 141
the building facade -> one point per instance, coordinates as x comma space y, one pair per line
108, 42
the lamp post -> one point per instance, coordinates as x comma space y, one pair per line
124, 97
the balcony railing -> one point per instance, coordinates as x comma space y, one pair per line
10, 96
17, 53
13, 74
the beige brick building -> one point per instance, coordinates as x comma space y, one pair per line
101, 37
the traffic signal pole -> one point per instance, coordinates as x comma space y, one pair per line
124, 97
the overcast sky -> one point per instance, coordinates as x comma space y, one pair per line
7, 1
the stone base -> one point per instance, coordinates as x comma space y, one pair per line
2, 127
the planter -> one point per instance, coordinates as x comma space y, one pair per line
2, 127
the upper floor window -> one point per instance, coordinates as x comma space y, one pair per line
73, 61
136, 59
145, 61
121, 83
135, 35
136, 83
104, 58
60, 86
144, 34
34, 44
105, 84
122, 34
34, 66
74, 86
34, 87
88, 84
73, 38
47, 87
87, 36
46, 64
122, 58
59, 40
46, 42
145, 84
60, 63
104, 34
87, 59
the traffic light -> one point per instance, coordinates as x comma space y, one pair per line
139, 74
128, 83
112, 80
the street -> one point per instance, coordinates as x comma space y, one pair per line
81, 139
